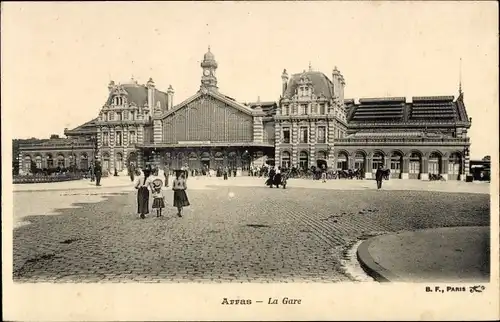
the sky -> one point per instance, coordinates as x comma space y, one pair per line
57, 58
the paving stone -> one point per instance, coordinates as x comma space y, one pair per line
259, 235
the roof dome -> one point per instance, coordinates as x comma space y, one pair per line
319, 81
209, 55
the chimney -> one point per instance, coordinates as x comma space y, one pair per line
336, 82
151, 93
284, 81
111, 85
170, 97
342, 86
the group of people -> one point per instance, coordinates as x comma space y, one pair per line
277, 177
95, 172
150, 181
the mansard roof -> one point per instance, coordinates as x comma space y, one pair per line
428, 109
138, 94
321, 84
83, 129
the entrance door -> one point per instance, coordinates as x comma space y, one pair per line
320, 164
205, 164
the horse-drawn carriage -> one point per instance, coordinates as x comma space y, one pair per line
348, 174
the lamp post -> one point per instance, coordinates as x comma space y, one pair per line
72, 157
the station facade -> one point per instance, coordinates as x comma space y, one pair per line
310, 125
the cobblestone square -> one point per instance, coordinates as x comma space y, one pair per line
229, 234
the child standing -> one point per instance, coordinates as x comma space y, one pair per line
156, 191
179, 187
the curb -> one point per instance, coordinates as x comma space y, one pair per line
377, 272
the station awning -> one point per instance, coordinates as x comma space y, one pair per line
205, 144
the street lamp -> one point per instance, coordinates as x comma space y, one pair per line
72, 157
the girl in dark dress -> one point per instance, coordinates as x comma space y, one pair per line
179, 187
142, 185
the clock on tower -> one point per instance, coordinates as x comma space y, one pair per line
209, 65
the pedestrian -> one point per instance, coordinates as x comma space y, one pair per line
277, 177
156, 185
92, 172
225, 173
98, 173
179, 187
142, 185
131, 171
379, 176
270, 180
323, 173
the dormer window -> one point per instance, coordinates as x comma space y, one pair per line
119, 101
322, 109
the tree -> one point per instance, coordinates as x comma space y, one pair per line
487, 158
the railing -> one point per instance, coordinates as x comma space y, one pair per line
20, 179
403, 140
56, 145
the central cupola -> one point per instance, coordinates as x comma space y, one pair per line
209, 66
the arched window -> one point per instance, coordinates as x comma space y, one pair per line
119, 162
193, 160
359, 160
38, 161
27, 163
303, 160
84, 161
434, 163
455, 164
396, 162
50, 161
60, 161
245, 161
231, 160
377, 161
342, 161
180, 160
285, 159
105, 162
415, 165
219, 160
72, 160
